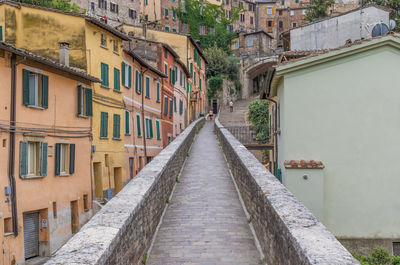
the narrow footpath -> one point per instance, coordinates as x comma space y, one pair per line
205, 222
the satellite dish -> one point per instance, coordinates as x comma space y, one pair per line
380, 29
392, 24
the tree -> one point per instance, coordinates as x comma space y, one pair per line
62, 5
218, 62
393, 4
317, 9
208, 23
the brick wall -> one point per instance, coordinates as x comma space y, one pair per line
121, 232
287, 231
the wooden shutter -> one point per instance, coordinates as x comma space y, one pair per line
165, 105
89, 102
158, 92
117, 80
127, 129
1, 33
23, 159
123, 74
158, 129
103, 77
130, 76
45, 91
25, 86
80, 100
170, 107
43, 159
139, 133
151, 128
57, 159
117, 128
174, 104
106, 74
71, 158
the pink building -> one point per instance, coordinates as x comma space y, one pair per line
182, 75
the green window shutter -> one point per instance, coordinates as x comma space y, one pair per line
191, 69
123, 73
173, 77
116, 126
180, 107
25, 86
89, 102
174, 104
165, 105
140, 83
45, 91
147, 87
158, 130
57, 160
166, 71
170, 107
127, 129
23, 159
80, 88
151, 128
130, 76
117, 81
103, 77
200, 82
158, 92
106, 74
170, 76
139, 132
146, 124
137, 81
104, 125
71, 158
165, 53
1, 33
43, 159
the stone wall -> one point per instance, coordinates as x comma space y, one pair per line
287, 231
121, 232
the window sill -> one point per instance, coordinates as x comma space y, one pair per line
147, 97
106, 87
35, 107
33, 177
139, 93
8, 234
86, 210
64, 175
126, 86
127, 134
117, 139
116, 53
117, 91
103, 138
83, 116
104, 47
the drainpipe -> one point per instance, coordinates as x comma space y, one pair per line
11, 148
275, 132
144, 135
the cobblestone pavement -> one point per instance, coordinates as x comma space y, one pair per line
205, 222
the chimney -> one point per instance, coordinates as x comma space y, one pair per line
64, 53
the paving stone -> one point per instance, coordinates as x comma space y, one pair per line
205, 222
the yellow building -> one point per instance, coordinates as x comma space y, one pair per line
95, 48
191, 54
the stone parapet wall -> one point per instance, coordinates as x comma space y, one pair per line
121, 232
287, 231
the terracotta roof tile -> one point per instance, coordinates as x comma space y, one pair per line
303, 164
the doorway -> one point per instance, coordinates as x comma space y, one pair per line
31, 234
117, 180
215, 106
131, 167
98, 179
74, 217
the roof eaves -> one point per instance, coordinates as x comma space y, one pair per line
185, 69
107, 27
144, 63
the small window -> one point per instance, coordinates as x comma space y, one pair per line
292, 12
149, 128
116, 127
126, 75
304, 11
103, 40
158, 131
280, 24
8, 227
236, 44
269, 23
55, 209
114, 7
85, 103
138, 129
64, 158
138, 82
115, 45
104, 75
33, 159
166, 11
250, 42
127, 123
165, 105
167, 28
396, 248
269, 11
294, 24
158, 92
132, 13
85, 202
147, 87
170, 107
92, 6
35, 89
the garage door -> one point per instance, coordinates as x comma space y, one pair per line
31, 234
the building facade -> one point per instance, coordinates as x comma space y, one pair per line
254, 44
48, 190
142, 122
325, 118
182, 74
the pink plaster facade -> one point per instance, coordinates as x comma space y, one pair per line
180, 97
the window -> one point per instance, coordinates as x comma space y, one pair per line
126, 75
146, 2
396, 248
230, 28
149, 128
84, 101
304, 11
165, 53
103, 125
33, 159
166, 71
294, 24
174, 30
114, 7
175, 74
104, 75
92, 6
138, 82
85, 203
292, 12
282, 2
280, 24
185, 27
65, 159
115, 46
165, 105
102, 4
132, 13
166, 12
173, 15
250, 42
167, 28
270, 23
180, 107
180, 78
228, 14
269, 10
174, 104
158, 92
117, 80
200, 83
211, 30
103, 40
194, 78
251, 20
170, 107
242, 18
127, 123
236, 44
35, 89
280, 12
147, 87
158, 130
202, 30
139, 132
116, 126
8, 226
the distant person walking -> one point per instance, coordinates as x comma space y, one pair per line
211, 114
231, 106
